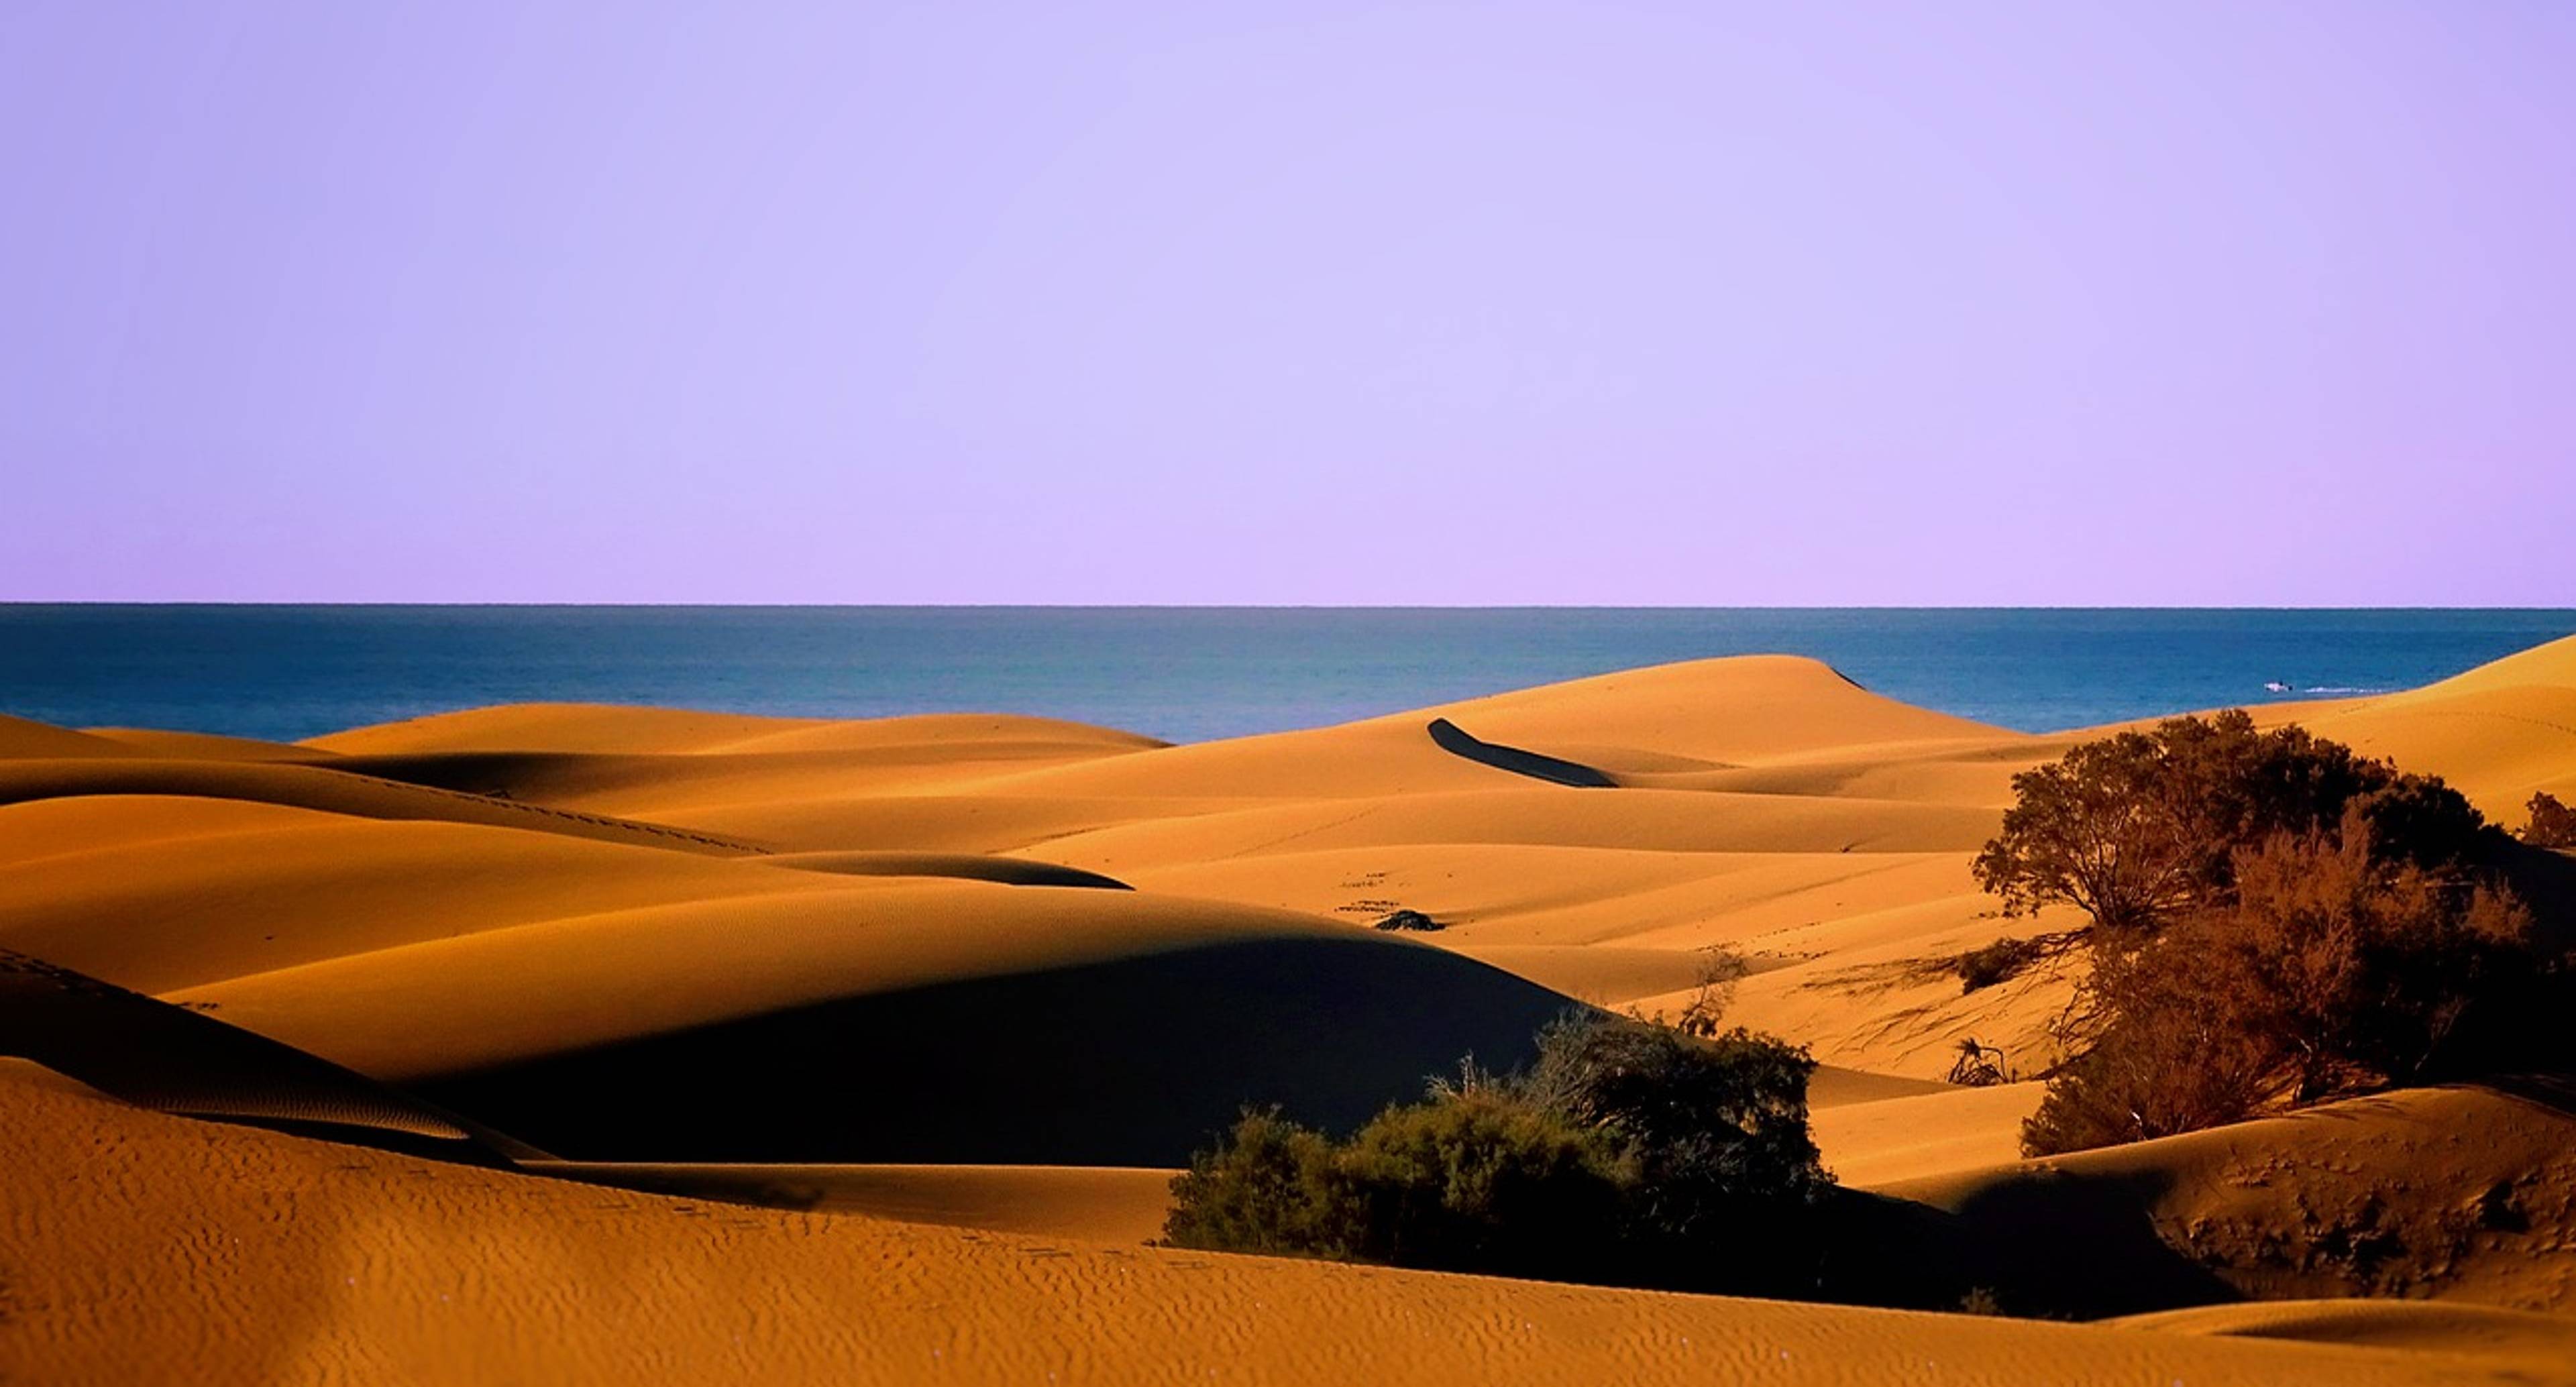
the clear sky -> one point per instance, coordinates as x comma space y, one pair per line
1702, 304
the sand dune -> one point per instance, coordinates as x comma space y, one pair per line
2472, 1337
838, 952
612, 729
908, 1021
394, 1269
1105, 1204
174, 1060
21, 738
152, 908
200, 746
964, 866
1457, 741
330, 790
1946, 1131
2456, 1193
1728, 711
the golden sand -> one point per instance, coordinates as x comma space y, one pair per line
847, 959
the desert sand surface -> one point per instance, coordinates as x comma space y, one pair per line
151, 1248
810, 1025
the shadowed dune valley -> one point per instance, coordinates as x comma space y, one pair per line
602, 1043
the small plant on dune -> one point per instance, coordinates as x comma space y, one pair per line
1981, 1300
2000, 961
1622, 1155
2553, 825
1413, 920
1720, 969
1979, 1065
2331, 972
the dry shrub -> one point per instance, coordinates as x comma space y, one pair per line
1997, 962
1979, 1065
2331, 972
2141, 827
1719, 970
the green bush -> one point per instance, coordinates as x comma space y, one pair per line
1628, 1153
1713, 1128
1480, 1182
1269, 1186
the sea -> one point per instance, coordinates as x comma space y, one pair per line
1178, 673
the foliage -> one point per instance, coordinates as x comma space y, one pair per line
2139, 827
1997, 962
2333, 971
1709, 1126
1407, 920
2156, 1074
1625, 1153
1268, 1186
2553, 825
1479, 1182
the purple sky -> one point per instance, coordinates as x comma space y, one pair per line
1688, 304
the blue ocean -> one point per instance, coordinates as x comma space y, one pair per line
1179, 673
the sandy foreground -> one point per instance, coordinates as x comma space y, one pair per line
959, 991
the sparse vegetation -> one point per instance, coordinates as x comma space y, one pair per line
2275, 921
1413, 920
2140, 827
1627, 1153
1720, 969
2332, 972
1979, 1065
1997, 962
2552, 824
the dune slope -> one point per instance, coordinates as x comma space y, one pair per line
168, 1250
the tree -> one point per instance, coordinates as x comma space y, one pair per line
2139, 827
2332, 972
2553, 825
